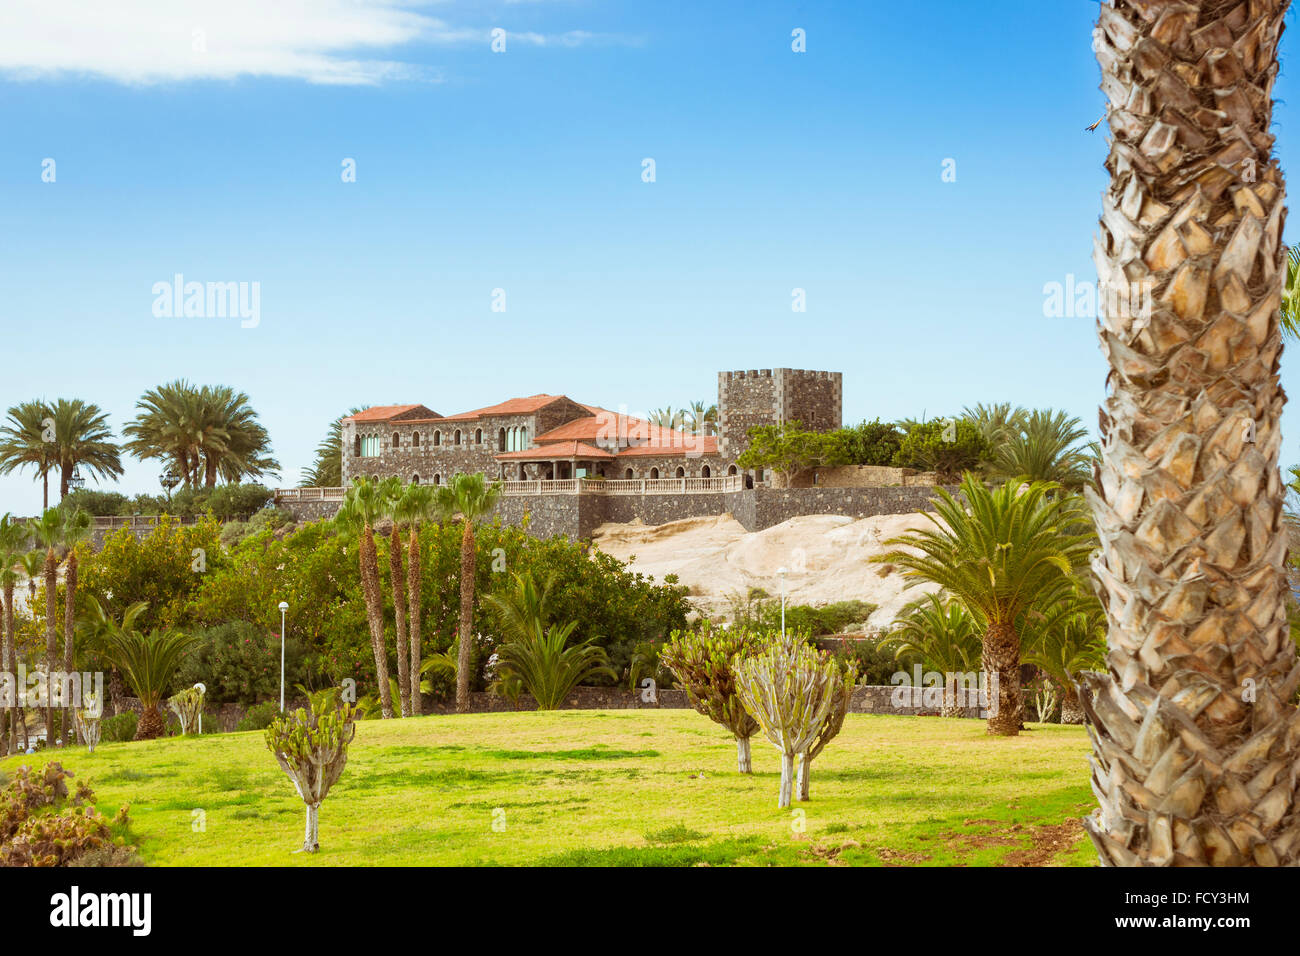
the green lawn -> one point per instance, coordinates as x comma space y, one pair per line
608, 787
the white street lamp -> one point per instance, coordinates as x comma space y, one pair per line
284, 607
782, 573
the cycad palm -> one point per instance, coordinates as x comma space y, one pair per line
363, 506
1046, 447
997, 422
1066, 640
548, 666
944, 635
1011, 551
148, 663
472, 498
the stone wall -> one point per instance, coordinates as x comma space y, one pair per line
771, 396
864, 476
577, 516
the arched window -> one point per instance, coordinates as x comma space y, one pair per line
523, 473
749, 481
397, 440
356, 447
415, 440
478, 436
415, 479
731, 470
437, 479
681, 472
654, 472
523, 436
457, 436
628, 473
705, 472
437, 438
501, 440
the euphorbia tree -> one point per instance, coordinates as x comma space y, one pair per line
701, 660
832, 724
311, 746
790, 689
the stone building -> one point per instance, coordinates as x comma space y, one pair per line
553, 438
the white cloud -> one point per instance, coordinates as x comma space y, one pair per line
153, 41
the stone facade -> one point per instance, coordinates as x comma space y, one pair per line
772, 396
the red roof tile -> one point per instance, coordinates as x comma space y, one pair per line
681, 445
384, 413
559, 449
512, 406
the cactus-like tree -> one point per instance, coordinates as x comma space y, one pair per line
701, 660
790, 689
88, 715
187, 705
832, 724
311, 747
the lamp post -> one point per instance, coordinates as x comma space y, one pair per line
76, 482
284, 607
782, 572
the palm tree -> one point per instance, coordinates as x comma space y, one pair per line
700, 418
667, 417
148, 662
327, 469
523, 605
1290, 318
203, 433
390, 491
1015, 549
362, 507
82, 438
547, 667
28, 439
1045, 448
13, 539
944, 635
77, 527
1066, 640
997, 422
93, 630
1201, 670
417, 505
47, 531
470, 496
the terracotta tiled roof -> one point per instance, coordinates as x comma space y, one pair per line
682, 445
606, 427
384, 413
513, 406
559, 449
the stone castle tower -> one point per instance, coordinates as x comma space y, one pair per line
772, 396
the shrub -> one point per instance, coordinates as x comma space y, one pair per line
259, 716
239, 663
41, 825
119, 728
97, 502
948, 446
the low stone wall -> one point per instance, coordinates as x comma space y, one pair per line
775, 505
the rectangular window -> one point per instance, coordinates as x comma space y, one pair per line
370, 446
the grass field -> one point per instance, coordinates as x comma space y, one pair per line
607, 788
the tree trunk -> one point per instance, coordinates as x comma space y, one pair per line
805, 772
151, 725
116, 692
787, 780
1071, 709
65, 478
1194, 732
374, 617
51, 641
466, 617
69, 638
743, 755
415, 610
398, 580
311, 836
11, 653
1001, 655
45, 491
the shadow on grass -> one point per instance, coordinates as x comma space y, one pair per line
714, 854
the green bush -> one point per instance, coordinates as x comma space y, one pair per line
259, 716
927, 447
239, 663
105, 503
118, 728
869, 443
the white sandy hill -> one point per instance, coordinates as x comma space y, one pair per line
827, 557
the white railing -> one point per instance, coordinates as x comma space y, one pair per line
567, 486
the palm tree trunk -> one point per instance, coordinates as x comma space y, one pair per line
1194, 730
65, 476
398, 580
116, 691
1071, 709
415, 599
11, 666
51, 641
69, 628
1001, 656
467, 568
45, 491
374, 617
151, 725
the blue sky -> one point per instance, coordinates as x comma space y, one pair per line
522, 171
